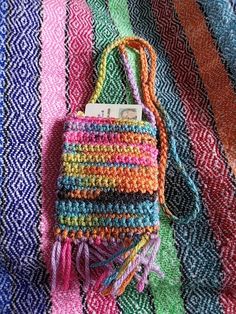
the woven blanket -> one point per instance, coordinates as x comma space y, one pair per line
49, 58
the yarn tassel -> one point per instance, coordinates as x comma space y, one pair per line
55, 260
154, 268
102, 252
104, 275
83, 250
147, 268
115, 265
113, 279
123, 277
80, 245
86, 267
117, 254
66, 263
125, 283
143, 253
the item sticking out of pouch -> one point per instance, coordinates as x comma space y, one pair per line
119, 111
111, 187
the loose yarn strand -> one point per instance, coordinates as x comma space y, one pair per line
192, 215
66, 262
165, 128
133, 85
55, 260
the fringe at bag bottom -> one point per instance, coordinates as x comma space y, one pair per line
108, 267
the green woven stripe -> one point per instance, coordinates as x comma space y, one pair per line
131, 302
105, 32
122, 22
166, 292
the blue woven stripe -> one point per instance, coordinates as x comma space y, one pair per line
21, 193
6, 282
3, 32
221, 20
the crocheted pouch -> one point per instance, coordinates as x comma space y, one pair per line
110, 187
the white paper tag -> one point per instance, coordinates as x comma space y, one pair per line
133, 112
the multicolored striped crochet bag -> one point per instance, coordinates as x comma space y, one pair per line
111, 187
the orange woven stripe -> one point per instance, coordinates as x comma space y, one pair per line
217, 83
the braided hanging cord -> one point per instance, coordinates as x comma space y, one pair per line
152, 104
148, 74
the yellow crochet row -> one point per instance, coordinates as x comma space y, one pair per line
76, 169
107, 157
107, 148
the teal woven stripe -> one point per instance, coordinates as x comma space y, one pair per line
221, 20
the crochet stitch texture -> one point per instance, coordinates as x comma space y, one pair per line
109, 191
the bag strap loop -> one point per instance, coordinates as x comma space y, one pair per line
102, 68
153, 109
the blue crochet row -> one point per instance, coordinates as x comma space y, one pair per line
75, 148
76, 208
74, 183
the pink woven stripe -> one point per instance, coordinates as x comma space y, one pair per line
97, 304
53, 115
80, 54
